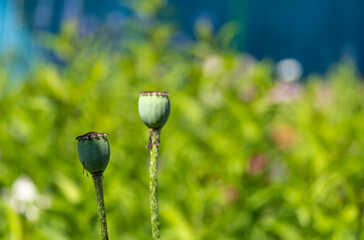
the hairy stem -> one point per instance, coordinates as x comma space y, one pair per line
97, 177
153, 181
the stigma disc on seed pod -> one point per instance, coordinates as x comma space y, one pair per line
154, 108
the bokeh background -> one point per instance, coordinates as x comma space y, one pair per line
265, 137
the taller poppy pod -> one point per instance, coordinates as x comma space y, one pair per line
154, 108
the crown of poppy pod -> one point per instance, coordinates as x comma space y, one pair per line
94, 151
154, 108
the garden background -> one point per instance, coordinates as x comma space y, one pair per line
248, 152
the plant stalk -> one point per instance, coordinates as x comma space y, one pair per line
98, 177
153, 181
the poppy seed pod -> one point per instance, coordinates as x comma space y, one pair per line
94, 151
154, 108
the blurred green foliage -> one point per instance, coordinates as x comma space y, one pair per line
242, 156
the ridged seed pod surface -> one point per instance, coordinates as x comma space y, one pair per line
154, 108
94, 151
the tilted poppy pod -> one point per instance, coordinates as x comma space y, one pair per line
94, 154
94, 151
154, 108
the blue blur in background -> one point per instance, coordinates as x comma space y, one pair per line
316, 33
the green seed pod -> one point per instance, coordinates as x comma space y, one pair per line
154, 108
94, 151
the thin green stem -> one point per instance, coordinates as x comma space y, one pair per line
153, 181
97, 177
